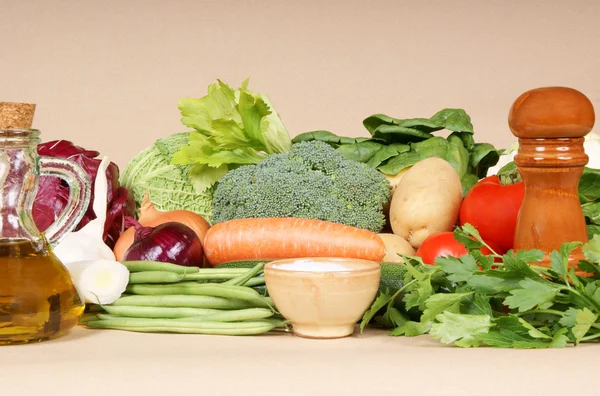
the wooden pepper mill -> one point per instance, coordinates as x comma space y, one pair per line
551, 124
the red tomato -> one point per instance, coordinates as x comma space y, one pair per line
493, 208
443, 244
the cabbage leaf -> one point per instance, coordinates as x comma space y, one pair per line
168, 185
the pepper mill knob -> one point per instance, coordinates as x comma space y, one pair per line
551, 124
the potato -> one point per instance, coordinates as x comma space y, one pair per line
427, 201
394, 180
394, 245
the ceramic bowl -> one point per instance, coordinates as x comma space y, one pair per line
322, 297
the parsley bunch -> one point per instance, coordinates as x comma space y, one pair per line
499, 301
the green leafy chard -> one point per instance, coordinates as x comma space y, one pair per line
507, 301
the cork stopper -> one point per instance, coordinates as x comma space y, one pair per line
16, 115
550, 113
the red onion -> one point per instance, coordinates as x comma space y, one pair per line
170, 242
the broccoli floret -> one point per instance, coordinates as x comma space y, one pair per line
312, 180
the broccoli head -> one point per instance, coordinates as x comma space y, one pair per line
312, 180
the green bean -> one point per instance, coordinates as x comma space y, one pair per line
139, 266
184, 301
257, 281
194, 288
204, 275
86, 317
154, 277
233, 315
268, 300
111, 317
178, 326
158, 312
258, 329
242, 279
93, 308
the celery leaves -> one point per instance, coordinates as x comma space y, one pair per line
231, 128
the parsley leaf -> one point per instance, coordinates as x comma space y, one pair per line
530, 256
392, 318
458, 269
504, 338
416, 294
593, 291
462, 330
532, 331
583, 321
559, 259
439, 303
560, 339
463, 236
381, 301
591, 249
495, 282
411, 329
476, 304
569, 317
531, 294
511, 323
518, 263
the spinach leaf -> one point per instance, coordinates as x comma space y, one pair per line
483, 156
467, 182
591, 211
360, 152
593, 229
397, 133
466, 138
456, 120
375, 121
458, 155
589, 185
327, 137
399, 162
435, 147
387, 152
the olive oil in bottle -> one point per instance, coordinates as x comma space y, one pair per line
37, 298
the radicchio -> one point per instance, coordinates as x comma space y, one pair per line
53, 193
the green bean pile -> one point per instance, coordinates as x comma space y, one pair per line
163, 297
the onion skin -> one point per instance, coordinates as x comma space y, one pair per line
170, 242
151, 217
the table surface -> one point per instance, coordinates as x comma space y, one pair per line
107, 362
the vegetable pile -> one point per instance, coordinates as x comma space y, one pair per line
166, 297
476, 300
236, 192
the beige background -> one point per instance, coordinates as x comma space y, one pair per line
108, 74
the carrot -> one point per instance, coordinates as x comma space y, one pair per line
277, 238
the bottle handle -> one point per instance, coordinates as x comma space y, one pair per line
79, 195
